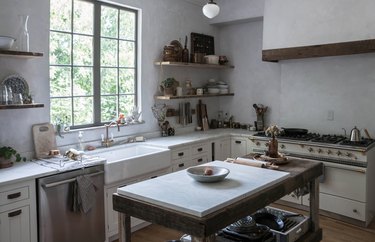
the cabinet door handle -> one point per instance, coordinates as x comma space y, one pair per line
181, 165
200, 149
238, 142
15, 213
181, 154
14, 195
153, 177
200, 160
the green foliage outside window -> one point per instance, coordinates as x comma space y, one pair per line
74, 74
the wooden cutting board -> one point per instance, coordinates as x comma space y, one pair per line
44, 139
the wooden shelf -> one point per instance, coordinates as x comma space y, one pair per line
192, 96
194, 65
23, 54
20, 106
334, 49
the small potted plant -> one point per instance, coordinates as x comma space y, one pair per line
274, 131
6, 155
168, 86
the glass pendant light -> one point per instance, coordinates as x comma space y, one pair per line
211, 9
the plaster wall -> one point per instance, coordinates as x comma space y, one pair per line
160, 24
291, 23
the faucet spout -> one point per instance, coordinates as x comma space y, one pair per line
107, 141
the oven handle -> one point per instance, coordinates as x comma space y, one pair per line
344, 167
54, 184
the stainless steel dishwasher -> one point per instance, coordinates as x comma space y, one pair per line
56, 220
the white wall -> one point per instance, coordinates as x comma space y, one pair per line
252, 80
291, 23
161, 23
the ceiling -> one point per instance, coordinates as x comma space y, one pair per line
197, 2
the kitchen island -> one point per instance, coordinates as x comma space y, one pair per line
202, 227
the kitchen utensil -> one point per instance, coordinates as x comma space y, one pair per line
6, 42
355, 135
367, 134
185, 52
268, 219
294, 131
44, 139
198, 173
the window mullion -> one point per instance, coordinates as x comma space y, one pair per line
97, 96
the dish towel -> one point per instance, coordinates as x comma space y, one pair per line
83, 194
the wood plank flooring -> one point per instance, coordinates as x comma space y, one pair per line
333, 231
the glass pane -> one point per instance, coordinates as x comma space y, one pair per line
108, 84
83, 19
127, 102
60, 81
127, 54
127, 25
60, 48
82, 50
83, 110
108, 53
127, 81
109, 22
108, 108
60, 15
61, 109
82, 81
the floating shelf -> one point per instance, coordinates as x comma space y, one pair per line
192, 96
20, 106
23, 54
323, 50
195, 65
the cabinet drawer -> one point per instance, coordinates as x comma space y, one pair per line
15, 225
201, 159
182, 165
14, 195
343, 206
200, 148
180, 153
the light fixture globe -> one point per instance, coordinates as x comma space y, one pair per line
211, 9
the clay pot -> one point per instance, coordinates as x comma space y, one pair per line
5, 163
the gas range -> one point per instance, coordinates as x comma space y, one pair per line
328, 148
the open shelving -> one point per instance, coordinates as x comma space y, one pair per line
24, 54
20, 106
194, 65
192, 96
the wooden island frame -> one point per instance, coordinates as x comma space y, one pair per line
202, 229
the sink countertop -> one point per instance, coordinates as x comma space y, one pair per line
21, 171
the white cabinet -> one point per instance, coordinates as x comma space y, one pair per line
238, 146
192, 155
112, 216
222, 149
18, 212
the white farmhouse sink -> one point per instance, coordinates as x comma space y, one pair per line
131, 160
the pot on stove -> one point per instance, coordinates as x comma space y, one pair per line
355, 135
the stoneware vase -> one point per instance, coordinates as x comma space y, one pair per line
273, 148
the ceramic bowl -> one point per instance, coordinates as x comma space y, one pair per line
198, 173
211, 59
213, 90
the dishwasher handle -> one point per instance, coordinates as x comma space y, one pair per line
54, 184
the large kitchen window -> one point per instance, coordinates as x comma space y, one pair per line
93, 61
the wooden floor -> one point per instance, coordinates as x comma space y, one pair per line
333, 231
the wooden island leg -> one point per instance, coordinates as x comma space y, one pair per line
124, 231
314, 205
210, 238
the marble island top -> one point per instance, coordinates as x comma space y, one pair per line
178, 191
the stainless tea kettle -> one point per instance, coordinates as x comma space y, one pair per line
355, 135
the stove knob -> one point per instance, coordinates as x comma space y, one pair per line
349, 154
257, 143
320, 151
338, 153
329, 152
311, 149
282, 146
266, 144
